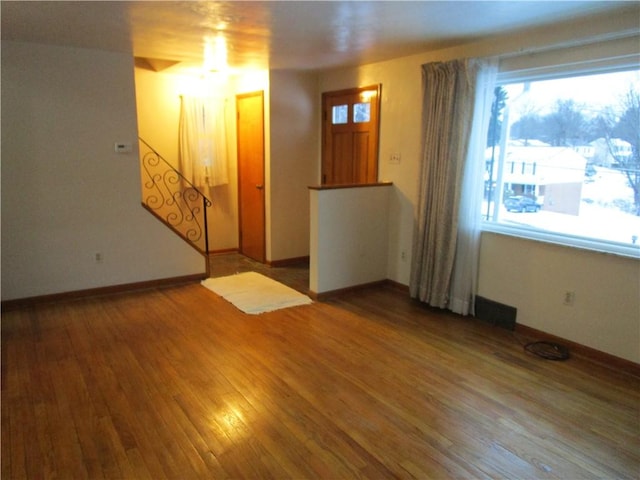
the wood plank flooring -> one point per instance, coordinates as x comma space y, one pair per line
176, 383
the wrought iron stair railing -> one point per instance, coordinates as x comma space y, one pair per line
171, 198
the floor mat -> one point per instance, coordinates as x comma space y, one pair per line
254, 293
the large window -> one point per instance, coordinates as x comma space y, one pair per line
562, 160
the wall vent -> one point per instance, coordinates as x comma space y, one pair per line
496, 313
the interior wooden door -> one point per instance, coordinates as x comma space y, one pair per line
251, 191
350, 136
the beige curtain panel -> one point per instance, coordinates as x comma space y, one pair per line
446, 239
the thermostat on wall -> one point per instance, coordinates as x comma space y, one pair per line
123, 147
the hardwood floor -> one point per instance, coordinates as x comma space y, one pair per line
177, 383
295, 275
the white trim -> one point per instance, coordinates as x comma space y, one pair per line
598, 56
566, 240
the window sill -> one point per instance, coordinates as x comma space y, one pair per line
582, 243
349, 185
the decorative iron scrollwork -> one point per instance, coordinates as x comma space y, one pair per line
173, 199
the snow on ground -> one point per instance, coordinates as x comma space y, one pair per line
600, 215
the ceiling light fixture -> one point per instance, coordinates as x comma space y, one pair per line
215, 54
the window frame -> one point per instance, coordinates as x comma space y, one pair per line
558, 70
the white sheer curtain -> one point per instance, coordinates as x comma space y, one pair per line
203, 141
456, 109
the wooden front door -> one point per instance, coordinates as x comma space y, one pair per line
250, 126
350, 136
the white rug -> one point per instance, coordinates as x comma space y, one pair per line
254, 293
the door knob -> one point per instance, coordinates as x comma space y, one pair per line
259, 187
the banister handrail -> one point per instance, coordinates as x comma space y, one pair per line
182, 177
173, 199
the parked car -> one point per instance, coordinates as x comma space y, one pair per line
519, 203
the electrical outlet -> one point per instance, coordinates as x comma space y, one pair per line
99, 257
403, 256
569, 297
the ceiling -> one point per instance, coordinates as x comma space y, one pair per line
279, 34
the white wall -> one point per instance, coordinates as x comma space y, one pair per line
65, 194
534, 276
158, 111
295, 158
348, 237
595, 322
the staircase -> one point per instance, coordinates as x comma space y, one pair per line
173, 200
